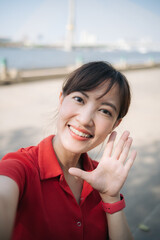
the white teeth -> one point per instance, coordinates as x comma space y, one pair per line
81, 134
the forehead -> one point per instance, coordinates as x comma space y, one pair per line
104, 91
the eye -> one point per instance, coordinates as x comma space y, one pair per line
106, 112
78, 99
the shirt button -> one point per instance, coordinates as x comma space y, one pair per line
79, 224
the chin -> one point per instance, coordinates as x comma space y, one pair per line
75, 148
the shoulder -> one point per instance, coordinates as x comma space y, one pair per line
23, 166
29, 155
19, 166
24, 156
26, 161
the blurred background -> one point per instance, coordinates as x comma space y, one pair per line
41, 41
50, 33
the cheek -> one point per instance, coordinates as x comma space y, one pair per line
104, 127
66, 110
103, 131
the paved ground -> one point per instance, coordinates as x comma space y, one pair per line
27, 113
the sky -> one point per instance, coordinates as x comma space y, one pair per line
99, 21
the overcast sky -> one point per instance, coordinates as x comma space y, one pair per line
102, 20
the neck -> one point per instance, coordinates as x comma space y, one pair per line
66, 159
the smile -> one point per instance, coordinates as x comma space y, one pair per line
79, 133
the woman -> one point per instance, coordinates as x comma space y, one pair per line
54, 190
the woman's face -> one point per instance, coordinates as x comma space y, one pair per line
85, 120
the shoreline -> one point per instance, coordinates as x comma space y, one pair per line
12, 76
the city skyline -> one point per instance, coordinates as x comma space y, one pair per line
96, 22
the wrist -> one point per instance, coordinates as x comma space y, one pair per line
110, 199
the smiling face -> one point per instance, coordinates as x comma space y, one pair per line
86, 118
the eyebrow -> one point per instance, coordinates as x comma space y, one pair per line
111, 105
103, 103
84, 94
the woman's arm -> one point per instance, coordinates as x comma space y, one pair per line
109, 177
117, 225
9, 194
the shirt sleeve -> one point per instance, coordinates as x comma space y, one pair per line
13, 167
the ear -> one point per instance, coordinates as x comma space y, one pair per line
61, 98
117, 123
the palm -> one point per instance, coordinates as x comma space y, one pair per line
112, 171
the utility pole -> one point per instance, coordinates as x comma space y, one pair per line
70, 26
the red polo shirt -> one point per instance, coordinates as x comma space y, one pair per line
47, 209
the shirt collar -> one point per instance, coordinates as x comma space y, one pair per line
48, 163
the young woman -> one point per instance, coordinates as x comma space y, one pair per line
54, 190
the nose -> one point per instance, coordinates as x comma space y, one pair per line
85, 116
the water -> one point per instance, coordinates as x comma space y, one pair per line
30, 58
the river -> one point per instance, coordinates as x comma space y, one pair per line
30, 58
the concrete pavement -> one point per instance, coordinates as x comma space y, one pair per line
27, 115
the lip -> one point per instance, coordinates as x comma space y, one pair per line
81, 130
77, 137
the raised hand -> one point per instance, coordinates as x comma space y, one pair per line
112, 171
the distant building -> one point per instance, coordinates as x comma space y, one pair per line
5, 40
87, 39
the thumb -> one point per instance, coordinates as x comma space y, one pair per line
80, 173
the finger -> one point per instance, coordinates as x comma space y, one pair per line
121, 144
130, 161
80, 173
109, 146
125, 150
